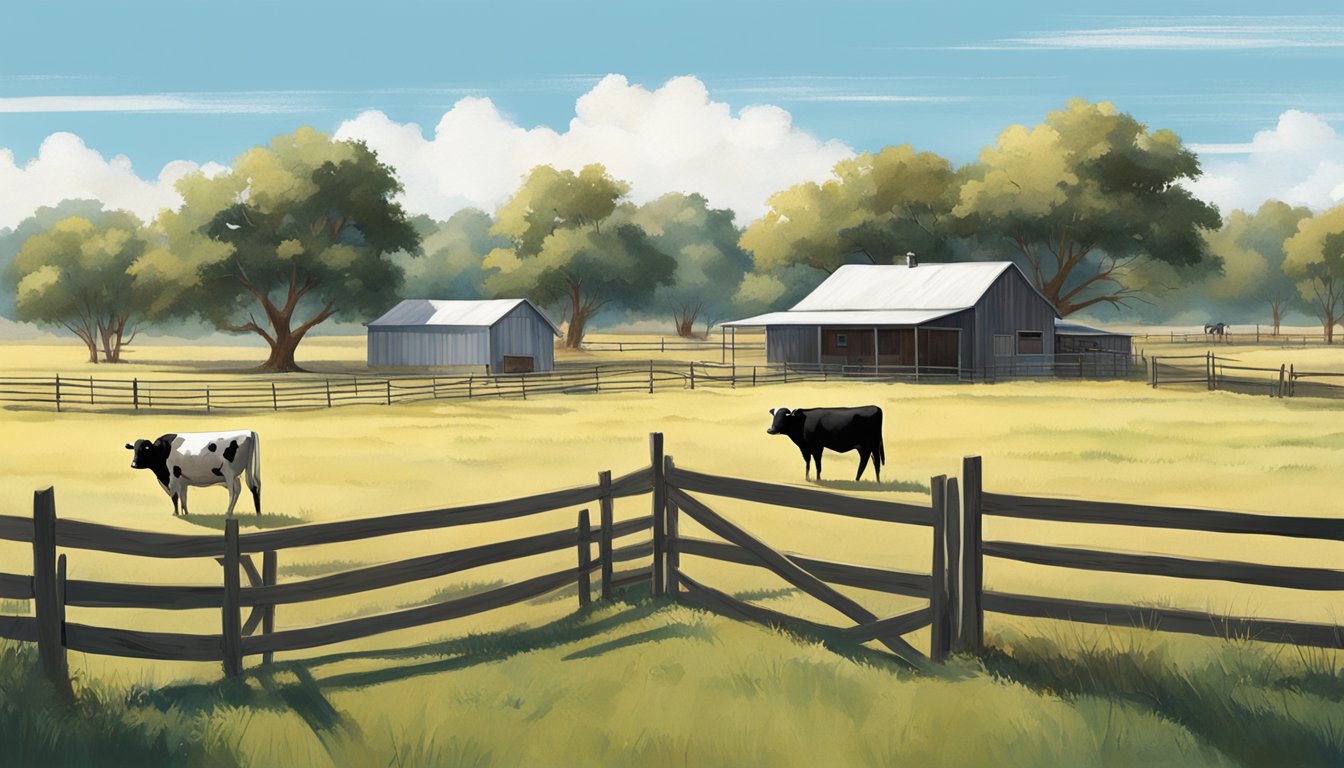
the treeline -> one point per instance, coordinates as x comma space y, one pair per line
1091, 203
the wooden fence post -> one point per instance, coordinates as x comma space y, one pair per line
47, 587
90, 390
940, 628
389, 391
971, 621
328, 383
673, 554
471, 379
58, 393
650, 377
585, 560
522, 381
1292, 380
275, 401
207, 398
604, 537
753, 375
135, 393
659, 510
232, 614
268, 579
692, 376
1282, 370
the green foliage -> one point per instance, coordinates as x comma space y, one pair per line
710, 264
11, 240
77, 274
875, 209
571, 244
305, 225
1084, 200
454, 252
1315, 260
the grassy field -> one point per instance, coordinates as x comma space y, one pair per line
669, 672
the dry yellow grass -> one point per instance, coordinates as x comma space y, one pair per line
1105, 440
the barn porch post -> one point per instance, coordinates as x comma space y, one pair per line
916, 353
877, 355
734, 349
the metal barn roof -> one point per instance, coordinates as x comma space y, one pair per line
840, 317
1075, 329
436, 312
956, 285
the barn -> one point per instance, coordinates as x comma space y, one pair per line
967, 320
503, 335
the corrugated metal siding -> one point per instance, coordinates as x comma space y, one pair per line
791, 344
429, 346
1010, 305
523, 332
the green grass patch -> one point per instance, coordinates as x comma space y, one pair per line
317, 567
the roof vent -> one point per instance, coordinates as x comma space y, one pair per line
911, 260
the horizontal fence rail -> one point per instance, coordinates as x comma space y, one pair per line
1213, 372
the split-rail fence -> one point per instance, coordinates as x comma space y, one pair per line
1227, 374
954, 587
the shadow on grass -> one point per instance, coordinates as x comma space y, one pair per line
266, 520
909, 486
657, 634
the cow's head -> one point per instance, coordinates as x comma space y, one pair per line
784, 419
146, 453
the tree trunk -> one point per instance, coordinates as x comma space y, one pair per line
581, 310
92, 343
1276, 307
286, 337
283, 346
685, 323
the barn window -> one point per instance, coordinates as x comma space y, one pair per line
1003, 345
1030, 343
841, 340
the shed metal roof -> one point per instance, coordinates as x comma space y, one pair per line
957, 285
436, 312
1075, 329
842, 317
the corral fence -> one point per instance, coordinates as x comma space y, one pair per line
954, 587
1257, 336
1224, 373
305, 391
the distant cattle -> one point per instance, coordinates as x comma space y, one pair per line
1217, 328
179, 461
839, 429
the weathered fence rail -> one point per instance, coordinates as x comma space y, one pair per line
1221, 373
953, 587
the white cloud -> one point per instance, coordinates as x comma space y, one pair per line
1300, 161
673, 138
1206, 33
66, 168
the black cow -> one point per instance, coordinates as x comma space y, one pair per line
840, 429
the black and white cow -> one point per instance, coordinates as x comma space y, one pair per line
179, 461
839, 429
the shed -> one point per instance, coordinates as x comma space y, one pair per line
967, 319
1092, 351
504, 335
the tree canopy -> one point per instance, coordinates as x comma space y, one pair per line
1085, 198
301, 228
1315, 260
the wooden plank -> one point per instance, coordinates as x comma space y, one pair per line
622, 578
16, 586
14, 528
632, 552
710, 599
790, 572
892, 627
1291, 577
354, 530
311, 637
46, 597
971, 621
605, 537
673, 531
77, 534
660, 490
801, 498
166, 646
232, 637
635, 483
628, 527
405, 571
22, 628
585, 553
1167, 620
99, 594
863, 577
940, 630
1113, 513
269, 566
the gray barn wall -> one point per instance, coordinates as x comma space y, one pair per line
1010, 305
791, 344
428, 346
523, 332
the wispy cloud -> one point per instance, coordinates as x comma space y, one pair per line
1202, 33
1221, 149
222, 103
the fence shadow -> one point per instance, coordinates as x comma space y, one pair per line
245, 520
909, 486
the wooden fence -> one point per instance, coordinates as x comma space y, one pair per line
1225, 373
954, 587
1247, 336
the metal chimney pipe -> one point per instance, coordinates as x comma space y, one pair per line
911, 260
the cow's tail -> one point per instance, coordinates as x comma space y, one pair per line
254, 469
881, 448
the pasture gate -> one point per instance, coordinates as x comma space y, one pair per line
954, 587
1227, 374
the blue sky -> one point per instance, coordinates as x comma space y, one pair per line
201, 81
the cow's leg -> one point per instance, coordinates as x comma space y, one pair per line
182, 493
234, 487
863, 464
254, 485
807, 466
817, 458
174, 495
